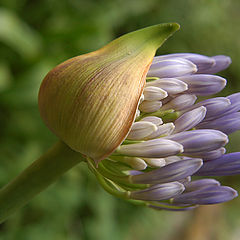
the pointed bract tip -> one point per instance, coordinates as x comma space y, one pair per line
90, 101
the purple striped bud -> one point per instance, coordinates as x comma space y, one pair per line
156, 148
202, 62
203, 84
141, 129
162, 130
234, 107
170, 173
199, 184
200, 140
227, 124
206, 156
155, 120
172, 159
235, 102
228, 164
180, 102
150, 106
134, 162
215, 106
170, 85
167, 68
221, 62
155, 162
152, 93
158, 192
190, 119
209, 195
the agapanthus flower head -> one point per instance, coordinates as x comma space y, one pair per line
140, 120
177, 138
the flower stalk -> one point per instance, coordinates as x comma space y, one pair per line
37, 177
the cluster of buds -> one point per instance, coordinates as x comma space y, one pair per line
174, 138
135, 120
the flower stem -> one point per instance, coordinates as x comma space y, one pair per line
38, 176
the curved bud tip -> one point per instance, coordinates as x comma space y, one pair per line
90, 101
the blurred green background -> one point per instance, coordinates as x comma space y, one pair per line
36, 35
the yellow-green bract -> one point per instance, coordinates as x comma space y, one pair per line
90, 101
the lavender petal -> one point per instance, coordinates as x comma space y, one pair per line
199, 184
202, 140
165, 129
170, 85
156, 148
158, 192
207, 156
215, 106
203, 84
190, 119
180, 102
221, 62
202, 62
226, 124
141, 129
228, 164
150, 106
209, 195
155, 120
167, 68
172, 172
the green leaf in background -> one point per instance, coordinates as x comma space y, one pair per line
18, 35
5, 76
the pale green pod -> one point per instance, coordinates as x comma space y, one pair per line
90, 101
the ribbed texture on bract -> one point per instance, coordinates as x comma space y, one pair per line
90, 101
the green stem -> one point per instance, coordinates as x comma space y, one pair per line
38, 176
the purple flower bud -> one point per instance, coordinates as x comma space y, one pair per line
155, 120
206, 156
158, 192
235, 101
221, 62
235, 104
180, 102
202, 62
165, 129
172, 159
141, 129
174, 67
152, 93
215, 106
150, 106
189, 119
203, 84
227, 124
199, 184
156, 148
200, 140
228, 164
170, 85
155, 162
170, 173
209, 195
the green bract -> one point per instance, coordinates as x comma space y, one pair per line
90, 101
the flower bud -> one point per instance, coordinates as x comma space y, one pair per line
90, 101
